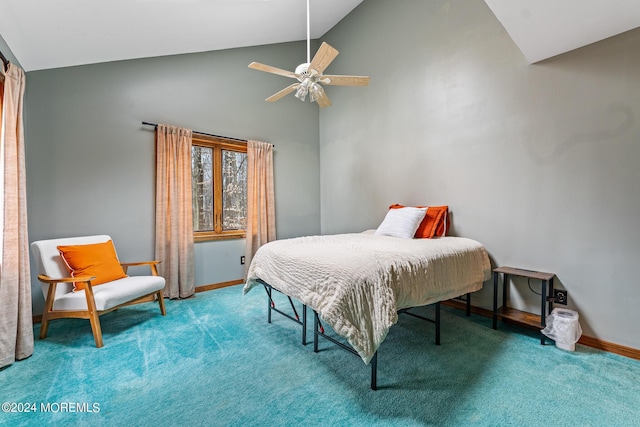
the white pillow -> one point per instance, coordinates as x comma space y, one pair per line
401, 222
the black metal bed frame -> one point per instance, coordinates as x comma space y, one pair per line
272, 307
318, 329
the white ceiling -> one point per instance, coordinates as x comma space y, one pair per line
45, 34
546, 28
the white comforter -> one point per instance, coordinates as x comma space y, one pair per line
358, 282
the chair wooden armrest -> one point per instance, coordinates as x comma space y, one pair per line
46, 279
151, 264
133, 264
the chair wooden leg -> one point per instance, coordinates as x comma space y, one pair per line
95, 327
160, 297
94, 318
44, 325
48, 306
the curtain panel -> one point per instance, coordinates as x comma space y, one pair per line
174, 218
261, 217
16, 328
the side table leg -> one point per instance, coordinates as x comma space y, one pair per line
495, 300
551, 295
543, 310
505, 288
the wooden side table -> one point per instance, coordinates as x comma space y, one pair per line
518, 316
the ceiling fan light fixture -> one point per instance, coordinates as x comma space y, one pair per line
315, 92
303, 89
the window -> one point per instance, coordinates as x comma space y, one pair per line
219, 186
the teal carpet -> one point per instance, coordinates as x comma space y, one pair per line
215, 361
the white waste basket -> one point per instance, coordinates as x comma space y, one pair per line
564, 328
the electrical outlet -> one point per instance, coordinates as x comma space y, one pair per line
242, 260
560, 296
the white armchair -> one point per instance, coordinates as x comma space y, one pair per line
92, 301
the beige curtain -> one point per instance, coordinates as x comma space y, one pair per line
174, 218
16, 328
261, 217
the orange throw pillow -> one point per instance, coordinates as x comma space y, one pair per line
97, 259
435, 222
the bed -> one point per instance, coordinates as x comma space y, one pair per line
357, 283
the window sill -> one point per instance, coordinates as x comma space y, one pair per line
207, 237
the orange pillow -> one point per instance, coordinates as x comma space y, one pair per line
435, 222
97, 259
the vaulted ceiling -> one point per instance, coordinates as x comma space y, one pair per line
546, 28
45, 34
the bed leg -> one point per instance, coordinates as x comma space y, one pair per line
304, 324
270, 303
315, 331
469, 304
438, 323
374, 372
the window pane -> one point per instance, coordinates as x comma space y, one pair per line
202, 188
234, 190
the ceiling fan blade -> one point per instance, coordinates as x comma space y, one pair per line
284, 92
323, 100
345, 80
323, 57
273, 70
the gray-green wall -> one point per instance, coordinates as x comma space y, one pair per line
539, 162
90, 161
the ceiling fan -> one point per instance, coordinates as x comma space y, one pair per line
309, 75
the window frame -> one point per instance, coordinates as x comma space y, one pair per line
217, 144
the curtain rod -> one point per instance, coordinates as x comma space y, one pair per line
201, 133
